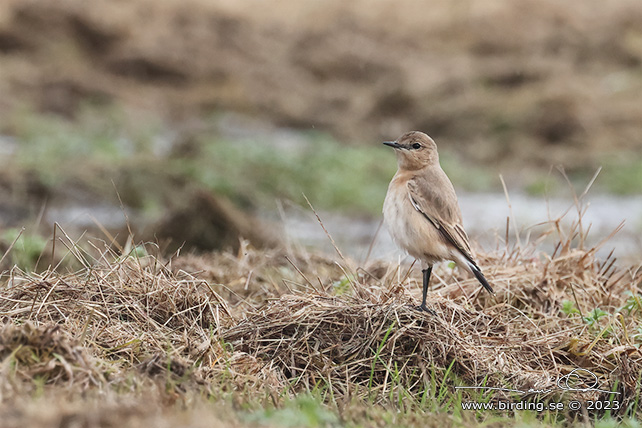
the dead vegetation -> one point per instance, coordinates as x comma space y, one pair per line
258, 324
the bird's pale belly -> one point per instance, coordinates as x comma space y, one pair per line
411, 231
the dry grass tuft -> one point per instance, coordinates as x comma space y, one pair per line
372, 342
273, 324
44, 352
127, 311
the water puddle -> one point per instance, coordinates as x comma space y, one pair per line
485, 216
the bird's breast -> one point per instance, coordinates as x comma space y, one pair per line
410, 230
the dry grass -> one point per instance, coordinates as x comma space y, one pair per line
261, 326
518, 339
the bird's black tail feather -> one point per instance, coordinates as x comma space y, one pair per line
482, 280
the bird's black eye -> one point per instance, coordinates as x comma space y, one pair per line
416, 146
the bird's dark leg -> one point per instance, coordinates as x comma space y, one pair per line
423, 307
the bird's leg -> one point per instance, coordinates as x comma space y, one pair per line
423, 307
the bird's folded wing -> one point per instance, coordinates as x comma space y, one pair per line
443, 213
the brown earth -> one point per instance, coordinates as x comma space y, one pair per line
541, 82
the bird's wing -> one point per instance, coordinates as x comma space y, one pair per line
438, 204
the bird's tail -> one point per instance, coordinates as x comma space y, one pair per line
480, 277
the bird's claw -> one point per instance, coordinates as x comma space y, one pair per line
424, 308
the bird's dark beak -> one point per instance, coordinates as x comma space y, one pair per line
392, 144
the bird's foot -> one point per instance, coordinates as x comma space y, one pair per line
424, 308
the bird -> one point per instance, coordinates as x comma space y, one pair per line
421, 210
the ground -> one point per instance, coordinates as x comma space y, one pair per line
560, 82
177, 124
283, 338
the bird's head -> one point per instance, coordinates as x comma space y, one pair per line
415, 150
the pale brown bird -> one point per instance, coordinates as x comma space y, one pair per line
422, 212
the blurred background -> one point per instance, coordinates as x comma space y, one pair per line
200, 121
